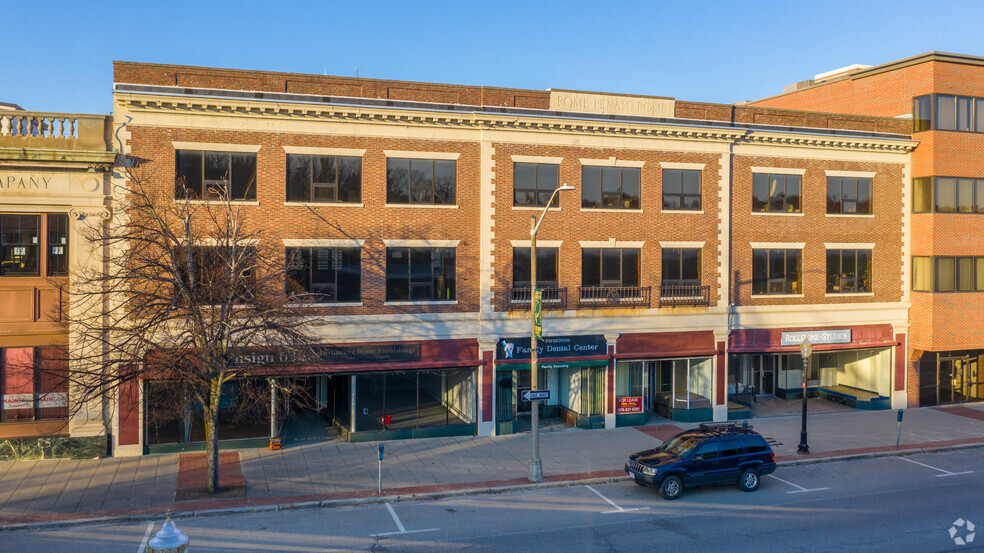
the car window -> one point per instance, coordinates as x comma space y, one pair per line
755, 444
707, 450
729, 446
679, 445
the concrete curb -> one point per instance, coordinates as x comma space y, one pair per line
430, 496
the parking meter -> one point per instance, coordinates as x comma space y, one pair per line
898, 434
900, 417
381, 445
380, 486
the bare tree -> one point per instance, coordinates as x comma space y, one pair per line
190, 293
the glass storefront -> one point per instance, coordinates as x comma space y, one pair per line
173, 416
679, 389
412, 400
950, 377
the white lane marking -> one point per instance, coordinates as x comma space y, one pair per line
399, 524
799, 489
146, 538
618, 509
945, 472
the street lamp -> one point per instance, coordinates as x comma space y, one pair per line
806, 348
536, 465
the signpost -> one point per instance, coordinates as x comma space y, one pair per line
530, 395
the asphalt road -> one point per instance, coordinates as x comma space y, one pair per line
895, 504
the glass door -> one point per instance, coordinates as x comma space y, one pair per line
764, 374
523, 383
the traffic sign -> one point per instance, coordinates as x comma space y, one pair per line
530, 395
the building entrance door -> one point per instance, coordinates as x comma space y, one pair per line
764, 374
523, 383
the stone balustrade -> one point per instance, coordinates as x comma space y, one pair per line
60, 131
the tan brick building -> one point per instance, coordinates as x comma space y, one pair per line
942, 97
695, 254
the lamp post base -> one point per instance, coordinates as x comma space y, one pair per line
803, 448
536, 471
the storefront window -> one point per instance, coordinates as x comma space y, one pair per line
33, 384
414, 399
683, 384
174, 416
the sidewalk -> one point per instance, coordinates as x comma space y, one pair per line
331, 472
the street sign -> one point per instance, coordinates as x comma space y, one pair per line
538, 313
530, 395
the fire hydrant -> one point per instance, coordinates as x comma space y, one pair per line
168, 540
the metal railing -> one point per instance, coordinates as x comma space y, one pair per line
673, 295
614, 296
553, 298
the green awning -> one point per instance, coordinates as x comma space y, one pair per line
554, 365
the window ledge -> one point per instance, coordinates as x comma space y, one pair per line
329, 304
778, 213
686, 211
852, 215
423, 206
219, 202
322, 204
770, 296
849, 294
451, 302
610, 210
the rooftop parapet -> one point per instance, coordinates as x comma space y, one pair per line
42, 136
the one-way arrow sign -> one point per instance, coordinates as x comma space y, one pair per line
530, 395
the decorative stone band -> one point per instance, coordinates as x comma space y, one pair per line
84, 213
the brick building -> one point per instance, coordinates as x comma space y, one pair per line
941, 97
697, 251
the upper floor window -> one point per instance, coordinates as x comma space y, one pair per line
20, 240
947, 274
947, 195
849, 195
681, 267
946, 112
57, 244
776, 193
420, 274
610, 267
324, 275
324, 178
777, 271
533, 183
681, 189
420, 181
546, 267
220, 275
848, 271
609, 187
215, 175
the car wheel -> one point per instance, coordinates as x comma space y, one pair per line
671, 487
749, 480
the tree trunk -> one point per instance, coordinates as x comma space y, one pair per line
211, 416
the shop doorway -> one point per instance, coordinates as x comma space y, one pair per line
958, 380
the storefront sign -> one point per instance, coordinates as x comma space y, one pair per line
565, 346
53, 399
611, 104
628, 405
18, 401
840, 336
374, 353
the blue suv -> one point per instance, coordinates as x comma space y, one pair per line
713, 453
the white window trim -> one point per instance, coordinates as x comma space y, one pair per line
534, 208
218, 202
849, 295
330, 304
610, 162
410, 154
779, 213
611, 243
451, 302
689, 245
852, 215
687, 211
421, 244
539, 243
779, 170
316, 151
767, 296
777, 245
676, 165
322, 204
214, 147
537, 159
211, 242
610, 210
423, 206
848, 246
858, 174
323, 242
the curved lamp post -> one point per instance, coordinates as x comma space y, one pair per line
536, 465
806, 348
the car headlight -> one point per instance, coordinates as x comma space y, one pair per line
649, 471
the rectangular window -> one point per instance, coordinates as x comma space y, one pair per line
420, 274
33, 384
848, 271
849, 195
922, 113
57, 245
946, 113
533, 183
681, 267
681, 189
332, 179
421, 181
324, 275
776, 272
922, 195
609, 187
946, 274
610, 267
922, 274
546, 267
776, 193
20, 240
215, 175
948, 195
217, 271
965, 121
979, 114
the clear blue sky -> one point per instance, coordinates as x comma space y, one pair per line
57, 56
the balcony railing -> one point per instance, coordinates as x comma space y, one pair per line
684, 295
614, 296
553, 298
66, 131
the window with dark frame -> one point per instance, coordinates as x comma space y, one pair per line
947, 112
609, 187
209, 175
330, 179
776, 271
947, 195
681, 267
420, 274
534, 183
324, 275
849, 195
57, 244
681, 189
610, 267
947, 274
776, 193
421, 181
20, 240
848, 271
213, 278
546, 268
34, 382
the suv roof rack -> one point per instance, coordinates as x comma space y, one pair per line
724, 427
